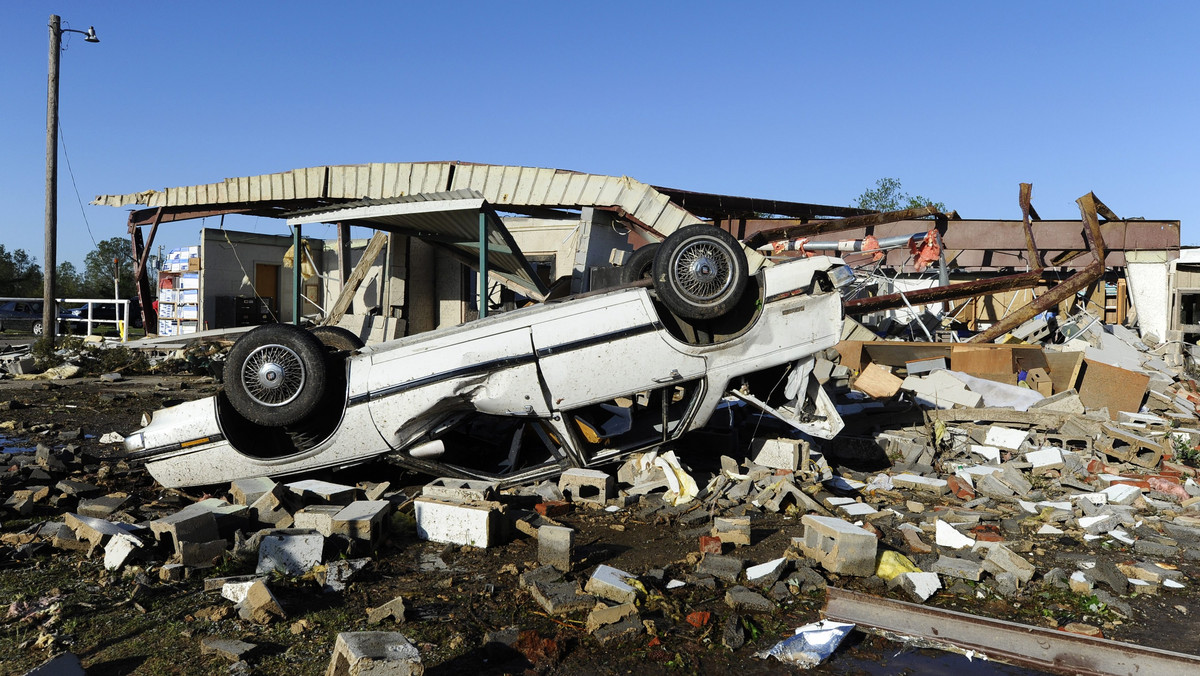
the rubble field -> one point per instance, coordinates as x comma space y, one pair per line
1042, 506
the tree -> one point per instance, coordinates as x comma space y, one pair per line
98, 269
68, 282
20, 276
886, 196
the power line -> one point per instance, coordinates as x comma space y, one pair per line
63, 139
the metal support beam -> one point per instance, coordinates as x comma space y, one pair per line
297, 260
483, 264
1088, 207
1021, 644
834, 225
141, 252
937, 294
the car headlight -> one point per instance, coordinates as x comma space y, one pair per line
841, 276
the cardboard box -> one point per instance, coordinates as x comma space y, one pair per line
189, 280
166, 310
189, 312
1038, 379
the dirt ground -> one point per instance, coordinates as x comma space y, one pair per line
130, 622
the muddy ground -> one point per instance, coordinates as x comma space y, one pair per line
130, 622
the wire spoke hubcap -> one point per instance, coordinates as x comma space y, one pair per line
273, 375
702, 270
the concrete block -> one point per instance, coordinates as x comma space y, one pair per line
732, 530
1079, 583
779, 453
727, 568
460, 490
1014, 479
229, 648
247, 491
915, 482
102, 506
478, 524
392, 609
1045, 459
339, 573
362, 520
1006, 438
316, 517
743, 600
1002, 559
312, 491
186, 526
560, 598
372, 490
199, 554
294, 553
603, 615
950, 537
918, 585
94, 530
1129, 447
118, 550
374, 653
555, 546
1122, 494
839, 546
611, 583
274, 508
941, 390
586, 485
765, 574
963, 569
259, 605
990, 486
989, 453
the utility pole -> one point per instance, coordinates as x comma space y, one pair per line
50, 265
49, 307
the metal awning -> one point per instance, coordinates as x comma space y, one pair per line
449, 220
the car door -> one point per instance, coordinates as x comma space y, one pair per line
608, 346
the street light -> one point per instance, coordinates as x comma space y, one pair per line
49, 314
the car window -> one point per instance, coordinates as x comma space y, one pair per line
641, 419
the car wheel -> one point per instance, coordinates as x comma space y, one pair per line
640, 265
275, 374
700, 272
37, 329
337, 338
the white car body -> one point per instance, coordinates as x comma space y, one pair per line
583, 381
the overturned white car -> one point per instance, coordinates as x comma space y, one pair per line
525, 394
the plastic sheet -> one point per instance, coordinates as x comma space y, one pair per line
811, 644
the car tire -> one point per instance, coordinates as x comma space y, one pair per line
37, 329
275, 375
700, 272
640, 265
337, 338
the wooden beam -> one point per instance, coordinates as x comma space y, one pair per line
350, 286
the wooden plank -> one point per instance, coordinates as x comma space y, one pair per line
356, 277
876, 381
1111, 386
1064, 369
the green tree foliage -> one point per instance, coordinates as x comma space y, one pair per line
20, 276
887, 196
68, 283
98, 269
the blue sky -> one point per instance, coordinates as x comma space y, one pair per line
799, 101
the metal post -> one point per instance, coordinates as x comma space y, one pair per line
49, 308
483, 261
296, 274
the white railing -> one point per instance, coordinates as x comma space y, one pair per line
87, 313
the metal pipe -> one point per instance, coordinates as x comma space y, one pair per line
857, 244
1021, 644
296, 261
483, 264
